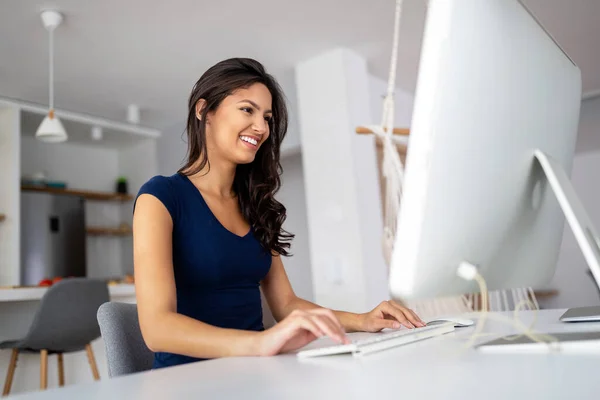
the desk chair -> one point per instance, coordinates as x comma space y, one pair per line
126, 351
64, 322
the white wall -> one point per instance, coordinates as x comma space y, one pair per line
9, 198
292, 196
589, 126
333, 98
137, 166
82, 167
171, 149
292, 140
403, 102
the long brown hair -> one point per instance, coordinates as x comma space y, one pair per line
255, 183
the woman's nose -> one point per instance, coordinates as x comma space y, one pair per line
261, 126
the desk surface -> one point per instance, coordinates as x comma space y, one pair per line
434, 368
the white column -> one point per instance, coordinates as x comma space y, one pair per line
342, 190
10, 188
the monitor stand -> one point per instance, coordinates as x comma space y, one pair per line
582, 228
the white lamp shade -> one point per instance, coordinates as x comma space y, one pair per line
51, 130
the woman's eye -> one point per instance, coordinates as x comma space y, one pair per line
247, 109
268, 119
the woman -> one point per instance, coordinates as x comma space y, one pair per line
208, 237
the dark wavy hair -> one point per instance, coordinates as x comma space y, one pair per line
256, 183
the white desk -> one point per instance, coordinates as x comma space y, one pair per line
435, 368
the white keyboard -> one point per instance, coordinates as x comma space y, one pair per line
379, 342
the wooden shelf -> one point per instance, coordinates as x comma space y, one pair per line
2, 217
89, 195
397, 131
106, 231
545, 293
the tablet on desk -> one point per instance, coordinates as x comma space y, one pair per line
570, 342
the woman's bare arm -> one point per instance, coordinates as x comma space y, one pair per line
283, 301
163, 329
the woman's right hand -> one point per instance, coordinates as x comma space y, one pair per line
299, 329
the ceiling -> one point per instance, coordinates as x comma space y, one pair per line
110, 53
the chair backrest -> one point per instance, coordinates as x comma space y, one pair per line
126, 351
66, 317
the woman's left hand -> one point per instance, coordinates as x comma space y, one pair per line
389, 314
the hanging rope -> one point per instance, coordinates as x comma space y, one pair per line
392, 168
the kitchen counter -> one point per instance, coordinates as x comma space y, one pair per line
9, 294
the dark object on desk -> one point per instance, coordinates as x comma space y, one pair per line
64, 322
581, 314
126, 351
564, 341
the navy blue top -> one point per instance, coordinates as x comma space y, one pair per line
217, 273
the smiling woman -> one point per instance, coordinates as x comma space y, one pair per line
209, 237
239, 120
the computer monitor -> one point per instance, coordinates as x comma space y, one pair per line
494, 127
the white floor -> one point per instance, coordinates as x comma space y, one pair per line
77, 370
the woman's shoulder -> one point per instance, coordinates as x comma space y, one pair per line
159, 183
165, 189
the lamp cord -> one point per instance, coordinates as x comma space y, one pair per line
51, 69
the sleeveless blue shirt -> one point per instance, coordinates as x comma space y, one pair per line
217, 273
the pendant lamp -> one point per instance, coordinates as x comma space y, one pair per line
51, 129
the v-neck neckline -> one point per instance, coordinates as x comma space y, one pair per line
188, 180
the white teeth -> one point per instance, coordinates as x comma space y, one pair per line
249, 140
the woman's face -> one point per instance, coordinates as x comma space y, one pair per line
240, 125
